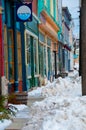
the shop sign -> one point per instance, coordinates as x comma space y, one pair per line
24, 12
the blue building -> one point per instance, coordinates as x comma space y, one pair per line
14, 48
66, 21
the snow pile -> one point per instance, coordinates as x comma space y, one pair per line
61, 86
58, 113
4, 124
64, 107
19, 107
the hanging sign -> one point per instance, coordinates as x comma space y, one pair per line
24, 12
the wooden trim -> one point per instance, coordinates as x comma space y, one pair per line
50, 20
48, 32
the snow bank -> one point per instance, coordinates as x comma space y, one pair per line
62, 113
68, 86
64, 107
4, 124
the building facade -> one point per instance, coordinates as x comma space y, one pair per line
48, 39
31, 52
66, 20
14, 54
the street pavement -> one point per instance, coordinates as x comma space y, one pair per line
23, 117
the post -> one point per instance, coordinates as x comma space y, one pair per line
15, 49
80, 67
23, 57
83, 45
55, 64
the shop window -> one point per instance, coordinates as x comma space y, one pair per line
41, 37
49, 61
11, 56
53, 62
42, 59
19, 56
35, 47
5, 52
48, 41
28, 55
45, 60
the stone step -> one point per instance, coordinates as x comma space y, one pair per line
32, 99
17, 124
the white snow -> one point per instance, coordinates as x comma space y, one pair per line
4, 124
63, 108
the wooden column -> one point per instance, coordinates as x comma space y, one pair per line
83, 45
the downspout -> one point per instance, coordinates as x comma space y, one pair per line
55, 64
22, 27
15, 50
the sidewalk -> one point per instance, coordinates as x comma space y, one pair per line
21, 120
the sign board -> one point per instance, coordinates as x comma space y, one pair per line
24, 12
27, 0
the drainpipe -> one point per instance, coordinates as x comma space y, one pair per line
55, 64
1, 51
23, 56
15, 50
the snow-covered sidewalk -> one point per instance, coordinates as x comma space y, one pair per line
64, 107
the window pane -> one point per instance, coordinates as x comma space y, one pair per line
5, 52
44, 60
19, 56
41, 37
49, 41
41, 60
11, 71
28, 55
35, 45
11, 56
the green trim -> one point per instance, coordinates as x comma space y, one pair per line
42, 7
32, 26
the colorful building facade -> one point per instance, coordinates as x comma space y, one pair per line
31, 51
14, 54
48, 39
66, 20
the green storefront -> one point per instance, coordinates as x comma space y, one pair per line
31, 53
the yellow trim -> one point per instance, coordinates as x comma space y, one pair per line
50, 20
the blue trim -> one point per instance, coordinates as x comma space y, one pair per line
23, 57
15, 50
